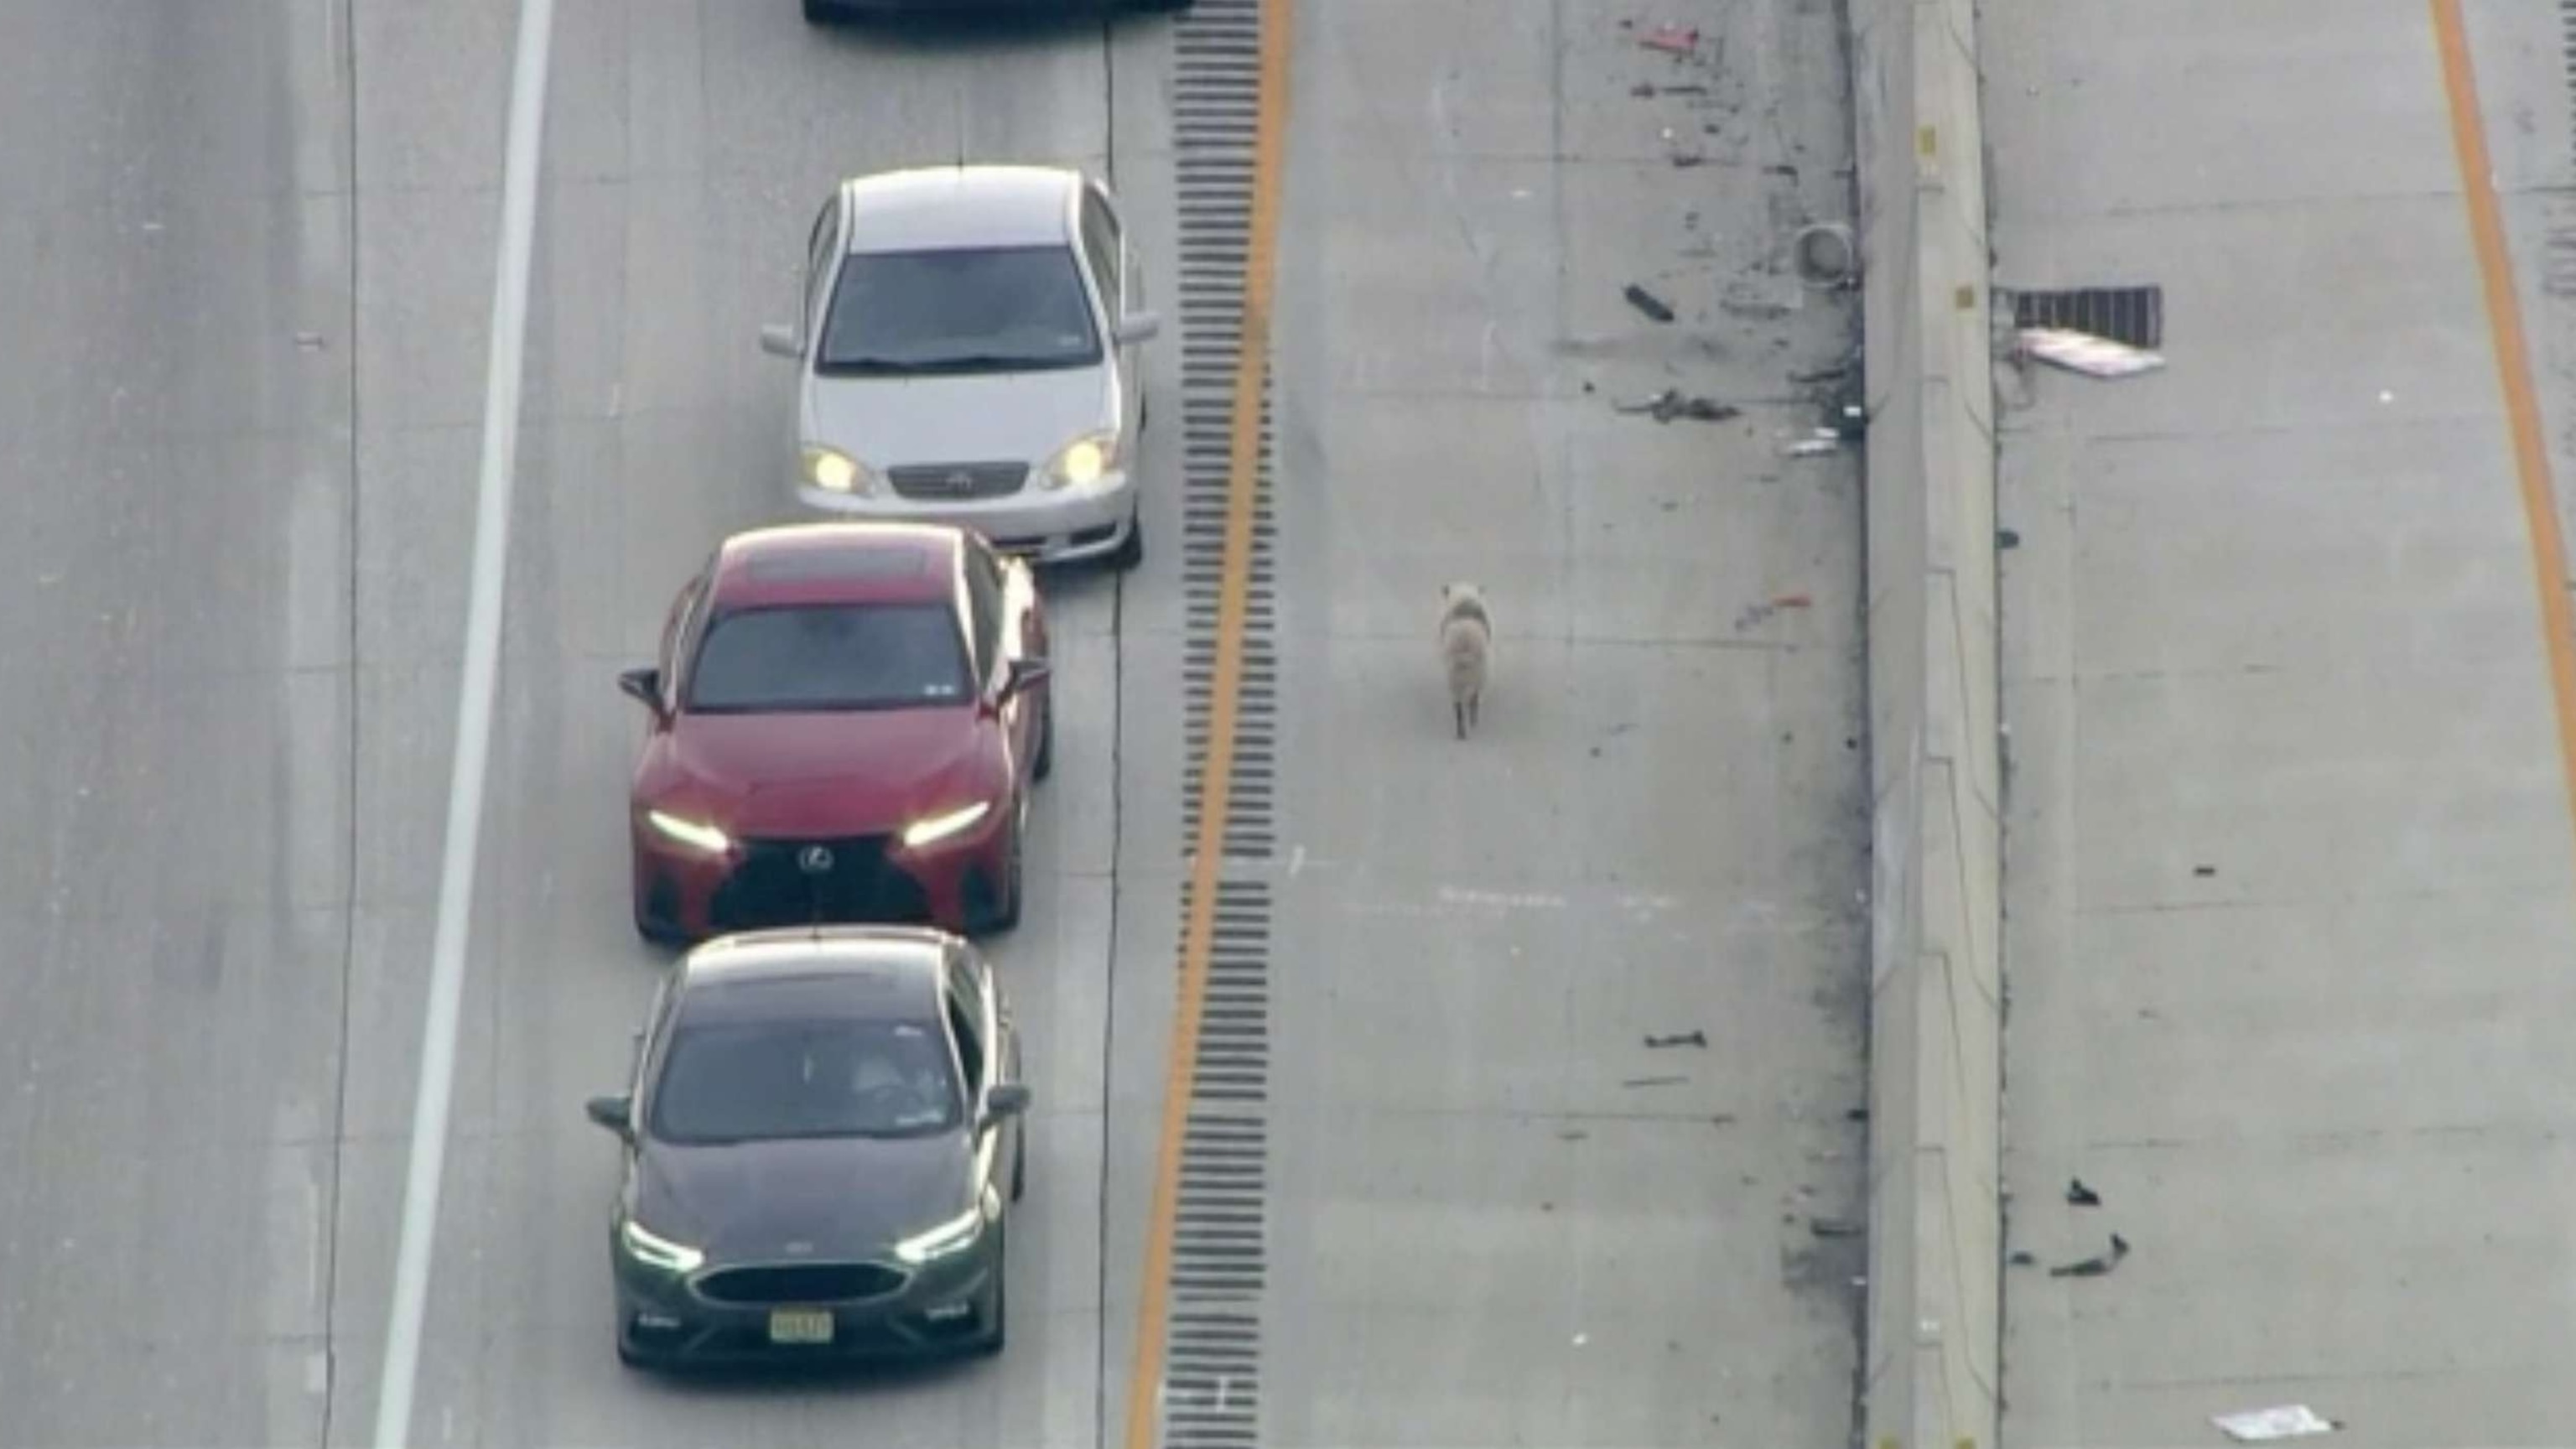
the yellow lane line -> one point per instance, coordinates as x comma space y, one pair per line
2513, 369
1216, 776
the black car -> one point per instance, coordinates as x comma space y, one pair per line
823, 1134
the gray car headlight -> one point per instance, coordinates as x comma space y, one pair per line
944, 1241
655, 1251
1084, 461
834, 471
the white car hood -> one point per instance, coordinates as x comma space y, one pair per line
892, 422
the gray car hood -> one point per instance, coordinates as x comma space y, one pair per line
890, 422
840, 1197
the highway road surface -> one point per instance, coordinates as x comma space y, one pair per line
2290, 897
246, 270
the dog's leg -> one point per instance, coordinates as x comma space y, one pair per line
1459, 708
1475, 707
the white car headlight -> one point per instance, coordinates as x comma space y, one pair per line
834, 471
693, 833
939, 827
1084, 461
657, 1251
953, 1236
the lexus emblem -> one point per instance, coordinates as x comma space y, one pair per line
961, 481
815, 860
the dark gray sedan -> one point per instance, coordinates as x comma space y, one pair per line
823, 1134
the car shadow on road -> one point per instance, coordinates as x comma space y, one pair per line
858, 1376
1002, 28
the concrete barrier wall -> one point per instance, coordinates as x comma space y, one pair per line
1935, 1269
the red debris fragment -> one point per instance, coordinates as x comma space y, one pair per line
1791, 601
1673, 40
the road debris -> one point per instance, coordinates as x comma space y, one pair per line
310, 341
2023, 1258
2097, 1265
1647, 302
2082, 352
2289, 1421
2006, 538
2204, 872
2080, 1195
1815, 444
1824, 255
1833, 1228
1672, 40
1768, 607
1575, 1134
1669, 404
1654, 1081
1693, 1037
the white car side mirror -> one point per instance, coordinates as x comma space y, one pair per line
779, 341
1139, 327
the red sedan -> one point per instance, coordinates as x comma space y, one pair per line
846, 725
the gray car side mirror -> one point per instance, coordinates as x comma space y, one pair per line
614, 1113
1006, 1099
779, 341
1139, 327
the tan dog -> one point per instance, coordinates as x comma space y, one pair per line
1466, 649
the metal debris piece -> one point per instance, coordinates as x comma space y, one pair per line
2082, 352
2095, 1266
1648, 303
1693, 1037
2081, 1196
2289, 1421
1669, 404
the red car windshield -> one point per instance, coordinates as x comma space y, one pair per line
819, 657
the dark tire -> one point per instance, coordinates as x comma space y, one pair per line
991, 1344
1045, 764
1131, 552
1003, 913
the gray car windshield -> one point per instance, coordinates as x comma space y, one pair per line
816, 657
998, 309
734, 1081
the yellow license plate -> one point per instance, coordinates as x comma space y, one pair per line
800, 1325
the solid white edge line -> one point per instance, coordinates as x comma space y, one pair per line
474, 701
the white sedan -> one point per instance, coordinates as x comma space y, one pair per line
969, 354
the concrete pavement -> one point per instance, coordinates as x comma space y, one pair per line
2289, 883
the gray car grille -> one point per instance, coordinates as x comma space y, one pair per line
800, 1283
959, 480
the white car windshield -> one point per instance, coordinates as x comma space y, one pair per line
999, 309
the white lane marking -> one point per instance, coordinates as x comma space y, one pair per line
1509, 900
473, 724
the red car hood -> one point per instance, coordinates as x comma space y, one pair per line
855, 772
